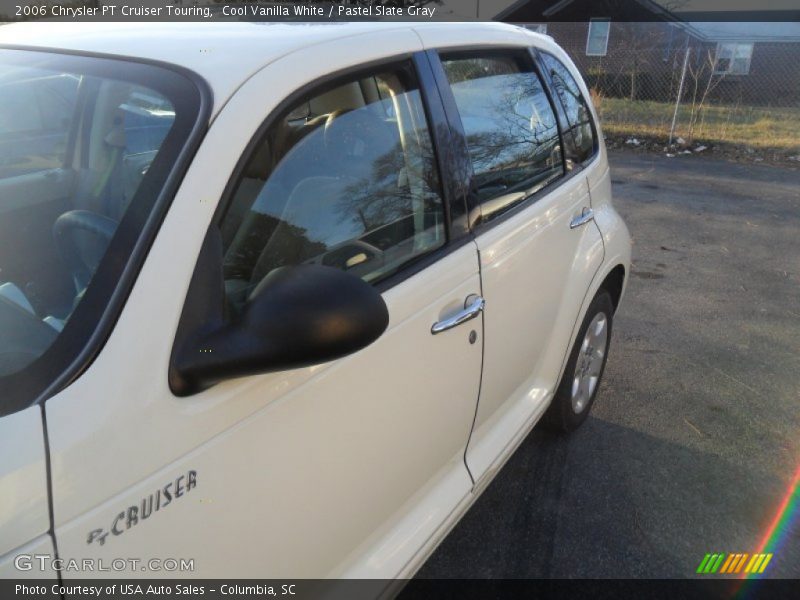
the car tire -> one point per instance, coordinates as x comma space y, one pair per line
578, 387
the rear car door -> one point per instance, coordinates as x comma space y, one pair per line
539, 249
578, 121
346, 468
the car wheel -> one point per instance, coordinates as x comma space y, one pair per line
587, 360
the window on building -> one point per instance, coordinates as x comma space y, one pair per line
537, 27
597, 39
733, 59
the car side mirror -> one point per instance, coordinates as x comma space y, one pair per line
297, 316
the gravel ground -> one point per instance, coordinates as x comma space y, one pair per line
695, 434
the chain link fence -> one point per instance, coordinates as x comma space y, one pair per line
658, 82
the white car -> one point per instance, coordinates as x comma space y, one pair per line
279, 300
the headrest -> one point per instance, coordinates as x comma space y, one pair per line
348, 96
357, 134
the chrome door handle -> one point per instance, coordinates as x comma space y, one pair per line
473, 306
586, 216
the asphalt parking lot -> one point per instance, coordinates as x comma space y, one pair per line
695, 434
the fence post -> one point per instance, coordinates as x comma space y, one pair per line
680, 92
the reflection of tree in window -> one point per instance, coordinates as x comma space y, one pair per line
352, 184
395, 200
575, 106
510, 127
384, 195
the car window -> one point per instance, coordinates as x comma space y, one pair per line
79, 138
35, 114
346, 178
510, 127
575, 105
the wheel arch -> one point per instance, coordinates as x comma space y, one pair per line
614, 284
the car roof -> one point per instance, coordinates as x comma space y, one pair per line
225, 54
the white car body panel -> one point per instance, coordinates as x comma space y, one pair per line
530, 306
24, 510
252, 45
221, 432
21, 563
353, 481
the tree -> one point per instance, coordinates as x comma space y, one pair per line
704, 80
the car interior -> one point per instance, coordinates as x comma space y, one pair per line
73, 153
345, 178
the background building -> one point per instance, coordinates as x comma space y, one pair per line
654, 72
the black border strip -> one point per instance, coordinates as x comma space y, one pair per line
703, 587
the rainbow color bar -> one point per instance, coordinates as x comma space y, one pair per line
781, 524
741, 562
776, 533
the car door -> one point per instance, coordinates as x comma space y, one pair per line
578, 119
538, 248
346, 468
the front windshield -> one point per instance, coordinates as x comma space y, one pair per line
83, 143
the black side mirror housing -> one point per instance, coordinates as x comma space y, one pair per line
297, 316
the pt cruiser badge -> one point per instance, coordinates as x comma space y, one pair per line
162, 498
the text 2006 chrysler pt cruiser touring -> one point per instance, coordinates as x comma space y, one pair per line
282, 299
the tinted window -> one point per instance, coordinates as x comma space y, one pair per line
510, 127
579, 117
345, 178
85, 148
35, 113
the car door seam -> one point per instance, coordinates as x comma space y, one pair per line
578, 318
480, 376
49, 487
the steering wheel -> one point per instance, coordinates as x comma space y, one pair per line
349, 254
82, 237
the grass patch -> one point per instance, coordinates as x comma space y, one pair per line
756, 127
